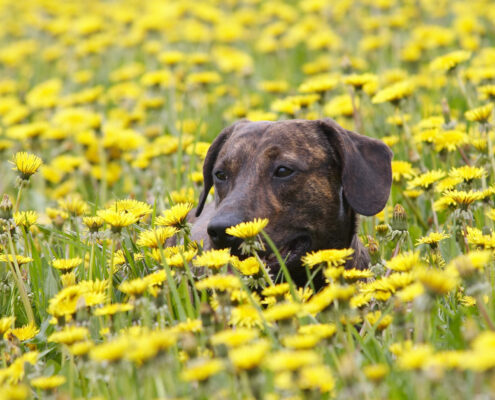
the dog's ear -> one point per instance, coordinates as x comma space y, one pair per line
210, 159
366, 167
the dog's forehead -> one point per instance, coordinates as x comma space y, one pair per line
292, 136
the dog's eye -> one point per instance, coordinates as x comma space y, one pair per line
221, 176
283, 172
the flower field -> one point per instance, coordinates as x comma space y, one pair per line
107, 110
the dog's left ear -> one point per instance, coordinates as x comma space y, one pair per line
366, 167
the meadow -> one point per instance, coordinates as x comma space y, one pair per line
107, 110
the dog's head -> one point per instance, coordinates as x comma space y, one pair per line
309, 178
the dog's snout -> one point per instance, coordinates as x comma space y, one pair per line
216, 230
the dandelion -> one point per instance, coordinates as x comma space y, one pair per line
436, 281
69, 335
402, 169
117, 219
6, 323
247, 230
48, 382
74, 205
248, 266
25, 332
450, 61
26, 219
426, 180
175, 216
112, 309
202, 369
394, 93
333, 257
66, 264
481, 114
156, 238
249, 356
375, 372
26, 164
282, 311
290, 360
94, 224
234, 337
316, 377
213, 259
219, 282
432, 239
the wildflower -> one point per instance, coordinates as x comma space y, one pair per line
247, 230
436, 281
426, 179
213, 259
375, 318
359, 80
156, 238
81, 348
323, 331
432, 239
112, 309
26, 164
394, 93
25, 218
48, 382
134, 287
175, 216
282, 311
190, 325
402, 169
110, 351
25, 332
449, 61
415, 358
481, 114
355, 274
5, 324
245, 315
131, 206
234, 337
117, 219
201, 370
248, 266
66, 264
467, 264
249, 356
375, 372
333, 257
290, 360
219, 282
467, 173
93, 223
69, 335
74, 205
21, 260
317, 377
300, 342
449, 140
463, 198
276, 290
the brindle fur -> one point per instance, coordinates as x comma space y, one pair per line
338, 174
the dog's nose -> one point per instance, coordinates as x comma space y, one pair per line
216, 230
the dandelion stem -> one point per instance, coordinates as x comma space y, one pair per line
484, 313
20, 283
18, 199
110, 273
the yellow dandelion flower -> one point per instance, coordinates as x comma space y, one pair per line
48, 382
131, 206
74, 205
323, 331
112, 309
410, 292
300, 342
213, 259
68, 279
375, 372
432, 239
467, 173
245, 315
466, 264
110, 351
156, 238
93, 223
464, 198
247, 230
190, 325
234, 337
117, 219
447, 184
25, 332
175, 216
276, 290
282, 311
448, 62
21, 260
26, 164
402, 169
219, 282
426, 179
415, 358
316, 377
481, 114
25, 218
375, 318
291, 360
81, 348
436, 281
66, 263
394, 92
333, 257
201, 369
249, 356
6, 323
248, 266
134, 287
360, 80
69, 335
449, 140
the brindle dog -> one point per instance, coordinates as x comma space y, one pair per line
309, 178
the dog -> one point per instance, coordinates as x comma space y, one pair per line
310, 178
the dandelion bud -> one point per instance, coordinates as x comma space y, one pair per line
6, 207
399, 219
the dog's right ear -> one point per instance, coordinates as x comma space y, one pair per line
210, 159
